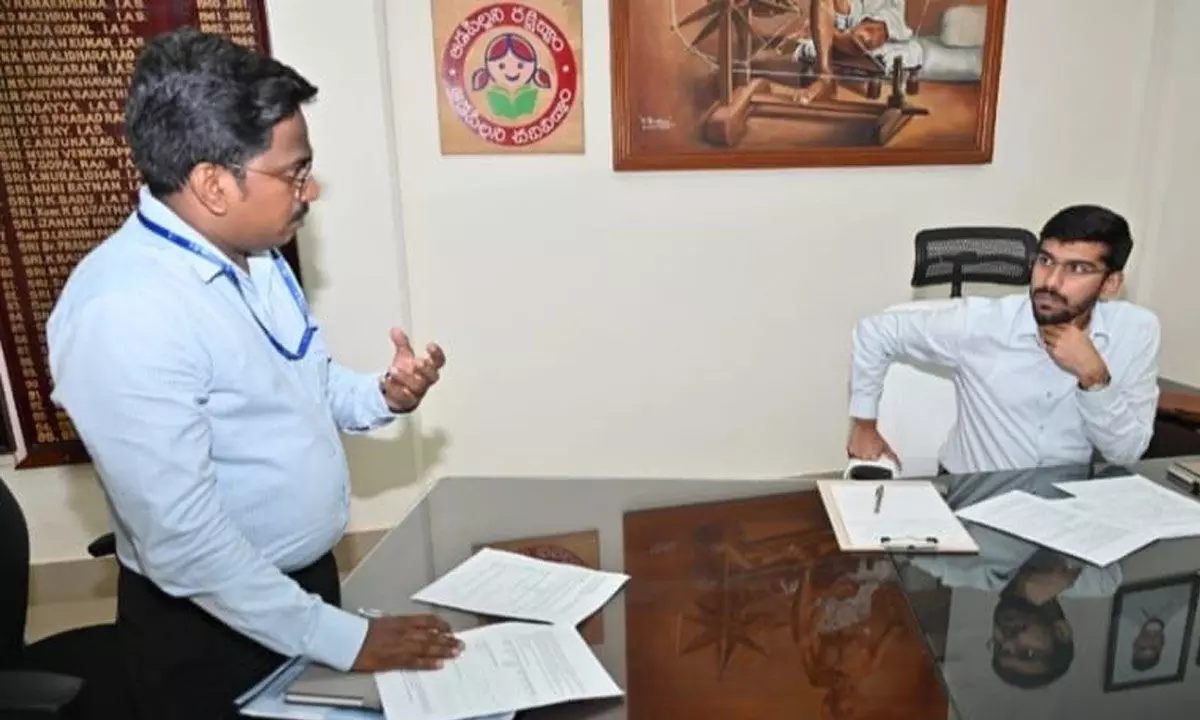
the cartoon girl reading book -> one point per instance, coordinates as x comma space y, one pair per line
512, 76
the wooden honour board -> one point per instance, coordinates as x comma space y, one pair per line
66, 177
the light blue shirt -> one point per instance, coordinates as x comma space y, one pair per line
1016, 407
221, 460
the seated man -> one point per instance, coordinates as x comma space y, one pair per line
1041, 379
852, 28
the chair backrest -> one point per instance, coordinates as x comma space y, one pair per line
14, 578
919, 405
954, 255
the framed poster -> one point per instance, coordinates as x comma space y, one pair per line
804, 83
509, 76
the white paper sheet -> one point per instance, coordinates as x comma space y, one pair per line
506, 667
1136, 502
1061, 525
910, 512
505, 584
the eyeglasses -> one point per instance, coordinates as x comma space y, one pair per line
299, 179
1072, 267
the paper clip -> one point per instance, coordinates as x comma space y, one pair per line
908, 543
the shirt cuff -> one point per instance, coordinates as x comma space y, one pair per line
379, 407
1098, 403
338, 637
372, 411
864, 406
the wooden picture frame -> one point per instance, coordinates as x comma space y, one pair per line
688, 96
1176, 595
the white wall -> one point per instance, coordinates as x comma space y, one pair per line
1173, 185
674, 324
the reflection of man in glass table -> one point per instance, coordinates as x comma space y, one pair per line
1032, 639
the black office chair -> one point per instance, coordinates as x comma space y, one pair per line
73, 674
954, 255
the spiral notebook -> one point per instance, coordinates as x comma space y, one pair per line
893, 516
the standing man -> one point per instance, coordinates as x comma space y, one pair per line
184, 353
1042, 379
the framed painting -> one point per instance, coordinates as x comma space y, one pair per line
706, 84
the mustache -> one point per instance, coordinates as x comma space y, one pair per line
1048, 293
301, 213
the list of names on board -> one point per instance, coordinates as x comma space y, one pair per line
66, 177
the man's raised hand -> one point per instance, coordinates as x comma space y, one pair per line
409, 377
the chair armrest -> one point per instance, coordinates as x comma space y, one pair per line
103, 545
36, 695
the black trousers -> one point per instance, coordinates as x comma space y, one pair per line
182, 663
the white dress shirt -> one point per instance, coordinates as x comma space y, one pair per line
999, 560
1016, 407
221, 459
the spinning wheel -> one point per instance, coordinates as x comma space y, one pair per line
744, 79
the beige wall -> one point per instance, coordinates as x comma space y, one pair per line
1171, 188
665, 324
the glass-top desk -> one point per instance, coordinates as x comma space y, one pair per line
1020, 631
740, 605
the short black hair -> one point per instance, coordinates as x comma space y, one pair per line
1093, 223
197, 97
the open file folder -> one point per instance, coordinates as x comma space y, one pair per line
893, 516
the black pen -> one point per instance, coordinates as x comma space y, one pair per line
878, 498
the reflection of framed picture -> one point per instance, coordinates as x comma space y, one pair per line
1150, 633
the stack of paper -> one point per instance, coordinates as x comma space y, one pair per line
1104, 520
511, 666
1135, 501
506, 667
266, 700
506, 584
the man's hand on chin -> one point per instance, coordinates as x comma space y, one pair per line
1072, 349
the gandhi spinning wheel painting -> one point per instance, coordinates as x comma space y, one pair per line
804, 83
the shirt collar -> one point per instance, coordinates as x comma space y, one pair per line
156, 211
1024, 325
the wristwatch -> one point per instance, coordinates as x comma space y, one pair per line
1103, 383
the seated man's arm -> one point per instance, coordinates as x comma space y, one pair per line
927, 336
134, 382
1119, 419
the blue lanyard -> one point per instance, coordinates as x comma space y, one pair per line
228, 271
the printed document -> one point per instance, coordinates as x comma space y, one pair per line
1137, 502
266, 700
505, 584
506, 667
1061, 525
